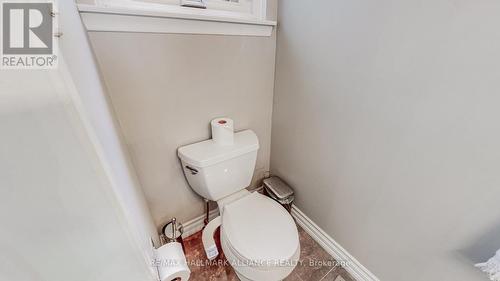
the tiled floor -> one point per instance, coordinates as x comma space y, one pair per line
314, 265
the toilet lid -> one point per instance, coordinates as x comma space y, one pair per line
260, 229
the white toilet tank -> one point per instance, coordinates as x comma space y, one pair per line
216, 171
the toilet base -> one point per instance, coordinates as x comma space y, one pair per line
275, 274
242, 278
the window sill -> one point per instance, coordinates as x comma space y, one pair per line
172, 20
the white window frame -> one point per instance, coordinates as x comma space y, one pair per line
255, 9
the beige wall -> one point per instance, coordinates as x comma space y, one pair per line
386, 122
166, 88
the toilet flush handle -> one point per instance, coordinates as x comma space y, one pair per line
192, 170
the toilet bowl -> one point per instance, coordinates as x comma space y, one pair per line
258, 236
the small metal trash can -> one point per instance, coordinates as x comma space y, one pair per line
278, 190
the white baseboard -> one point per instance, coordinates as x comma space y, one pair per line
354, 267
196, 224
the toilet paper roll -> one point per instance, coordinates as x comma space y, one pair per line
171, 262
222, 131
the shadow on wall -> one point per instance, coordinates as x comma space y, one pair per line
483, 248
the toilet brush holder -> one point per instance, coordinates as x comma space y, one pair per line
172, 232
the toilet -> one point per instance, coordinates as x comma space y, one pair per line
258, 236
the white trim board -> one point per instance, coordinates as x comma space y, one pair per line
196, 224
177, 12
355, 268
126, 20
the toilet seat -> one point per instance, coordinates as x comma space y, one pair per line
260, 236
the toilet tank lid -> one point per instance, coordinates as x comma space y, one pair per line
207, 153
